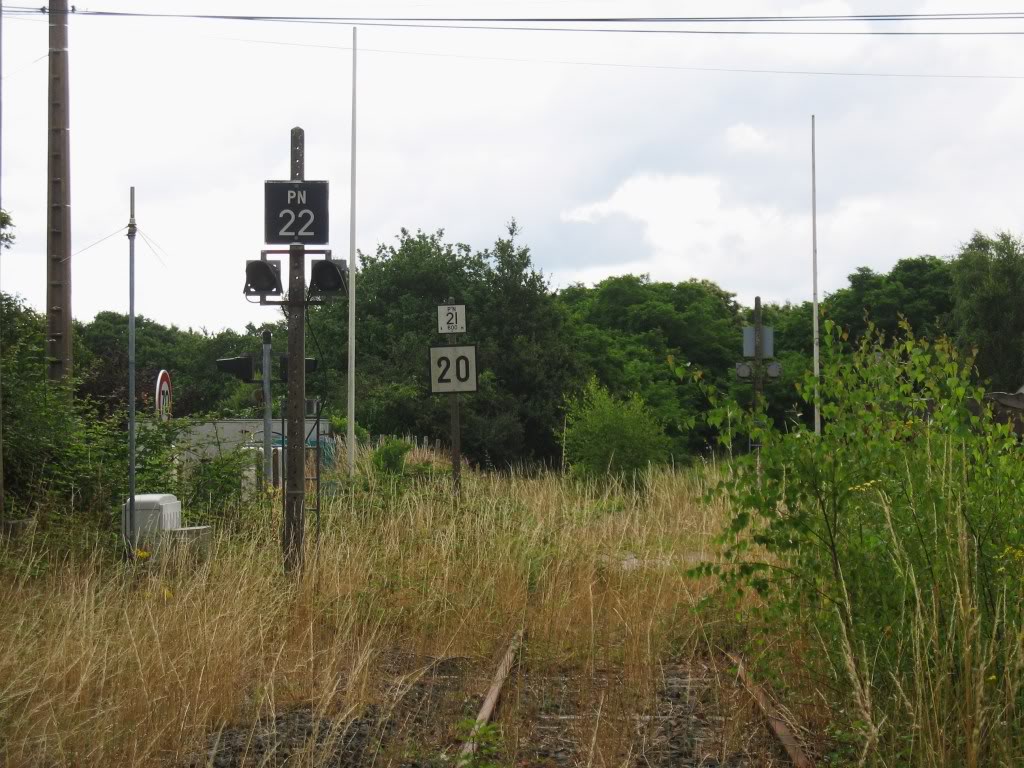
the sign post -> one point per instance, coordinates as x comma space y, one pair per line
295, 215
163, 396
453, 370
293, 531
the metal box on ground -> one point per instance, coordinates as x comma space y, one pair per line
154, 514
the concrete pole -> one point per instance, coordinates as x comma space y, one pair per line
293, 534
350, 411
131, 368
58, 202
814, 276
268, 415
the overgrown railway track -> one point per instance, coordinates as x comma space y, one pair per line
520, 710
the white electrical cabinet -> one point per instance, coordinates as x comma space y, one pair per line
155, 513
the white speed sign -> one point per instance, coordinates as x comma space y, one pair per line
453, 369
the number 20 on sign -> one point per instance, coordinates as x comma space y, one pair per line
453, 369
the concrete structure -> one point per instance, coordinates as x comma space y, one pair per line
211, 438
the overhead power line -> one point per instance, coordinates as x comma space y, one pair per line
623, 65
534, 24
856, 17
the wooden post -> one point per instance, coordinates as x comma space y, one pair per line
293, 533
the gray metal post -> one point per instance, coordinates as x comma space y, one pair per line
758, 354
2, 507
268, 415
453, 400
350, 431
456, 445
293, 534
131, 367
814, 276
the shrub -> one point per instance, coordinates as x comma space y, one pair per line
894, 538
607, 436
339, 426
389, 457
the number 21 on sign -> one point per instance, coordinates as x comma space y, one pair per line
451, 318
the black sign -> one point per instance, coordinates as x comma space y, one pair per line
295, 212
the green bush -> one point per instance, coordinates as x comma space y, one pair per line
389, 457
607, 436
895, 538
339, 426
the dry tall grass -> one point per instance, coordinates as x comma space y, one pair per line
105, 663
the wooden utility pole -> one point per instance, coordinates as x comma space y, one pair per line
293, 534
58, 201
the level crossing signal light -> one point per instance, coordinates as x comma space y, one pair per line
328, 276
236, 366
263, 278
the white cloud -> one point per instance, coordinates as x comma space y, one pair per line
741, 138
674, 172
699, 227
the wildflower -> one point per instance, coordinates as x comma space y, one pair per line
142, 554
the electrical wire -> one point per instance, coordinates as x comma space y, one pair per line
526, 25
158, 246
743, 19
149, 245
620, 65
102, 239
25, 67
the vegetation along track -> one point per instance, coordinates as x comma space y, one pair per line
381, 654
548, 717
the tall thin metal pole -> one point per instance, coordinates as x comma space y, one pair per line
758, 354
58, 201
268, 415
131, 369
350, 432
1, 253
814, 272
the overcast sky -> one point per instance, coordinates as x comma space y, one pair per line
615, 153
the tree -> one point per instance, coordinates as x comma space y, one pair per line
6, 227
633, 333
525, 350
919, 289
605, 435
988, 279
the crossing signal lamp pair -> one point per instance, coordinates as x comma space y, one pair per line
242, 367
263, 277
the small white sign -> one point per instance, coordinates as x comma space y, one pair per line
451, 318
453, 369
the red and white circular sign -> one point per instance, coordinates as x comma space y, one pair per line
163, 396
